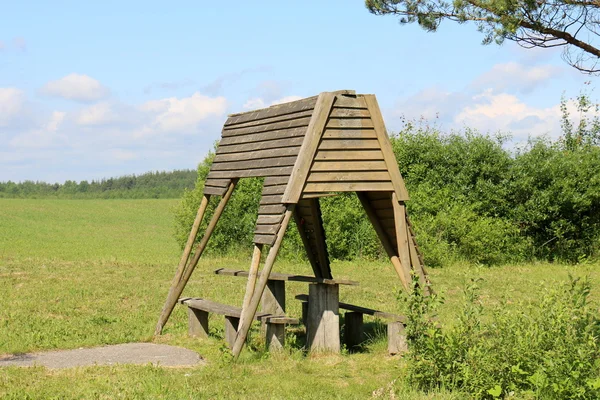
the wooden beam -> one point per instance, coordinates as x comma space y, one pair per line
308, 148
383, 237
252, 274
244, 326
386, 147
322, 255
305, 241
402, 235
176, 290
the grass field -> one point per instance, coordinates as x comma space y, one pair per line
86, 273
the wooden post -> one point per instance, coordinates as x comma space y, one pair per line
353, 329
323, 318
262, 283
252, 274
385, 241
319, 233
306, 242
177, 289
191, 238
275, 336
197, 323
396, 338
305, 315
231, 327
273, 299
402, 236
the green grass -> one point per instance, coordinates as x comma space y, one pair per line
86, 273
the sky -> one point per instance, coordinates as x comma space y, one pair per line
92, 90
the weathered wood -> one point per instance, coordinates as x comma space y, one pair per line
362, 310
273, 300
384, 238
385, 203
309, 147
270, 120
348, 165
319, 236
355, 155
264, 239
273, 111
217, 308
276, 276
271, 199
349, 144
191, 239
177, 288
323, 318
254, 164
353, 329
229, 131
213, 191
312, 187
353, 123
396, 338
263, 137
417, 263
339, 112
274, 336
255, 146
266, 229
305, 313
350, 101
271, 210
276, 180
224, 183
300, 213
318, 176
231, 327
402, 236
279, 189
269, 219
349, 134
257, 155
252, 275
251, 173
386, 148
197, 323
262, 283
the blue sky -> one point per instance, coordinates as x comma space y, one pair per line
98, 89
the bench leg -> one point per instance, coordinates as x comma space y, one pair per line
323, 318
353, 330
396, 338
197, 323
231, 326
275, 336
305, 314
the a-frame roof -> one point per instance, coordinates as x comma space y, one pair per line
333, 142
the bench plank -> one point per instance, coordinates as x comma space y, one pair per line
362, 310
233, 312
288, 277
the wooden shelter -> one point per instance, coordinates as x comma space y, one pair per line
315, 147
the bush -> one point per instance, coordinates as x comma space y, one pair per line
547, 349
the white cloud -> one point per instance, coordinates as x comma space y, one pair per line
181, 114
11, 103
516, 76
76, 87
47, 135
97, 114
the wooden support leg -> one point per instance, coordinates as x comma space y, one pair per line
273, 299
396, 338
231, 327
402, 236
252, 275
177, 287
353, 329
323, 318
275, 336
197, 323
305, 314
385, 241
262, 283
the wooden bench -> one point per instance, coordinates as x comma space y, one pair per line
198, 310
325, 335
354, 331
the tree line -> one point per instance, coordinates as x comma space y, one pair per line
159, 185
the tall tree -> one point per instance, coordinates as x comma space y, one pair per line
570, 24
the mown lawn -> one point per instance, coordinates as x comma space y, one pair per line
86, 273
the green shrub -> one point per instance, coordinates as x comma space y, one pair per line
546, 349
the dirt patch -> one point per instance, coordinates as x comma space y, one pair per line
130, 353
